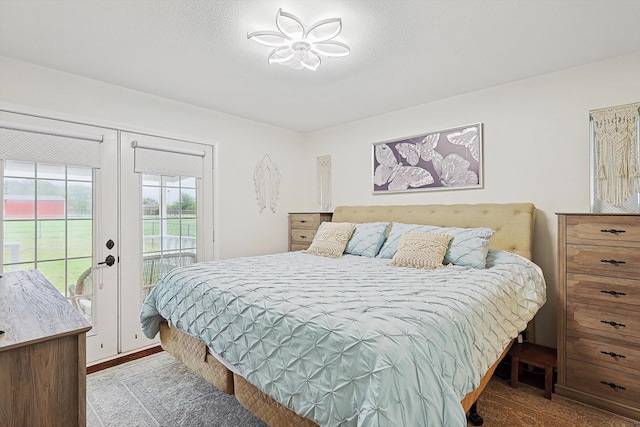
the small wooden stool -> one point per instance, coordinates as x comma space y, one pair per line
536, 355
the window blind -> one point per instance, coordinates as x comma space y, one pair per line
161, 160
40, 145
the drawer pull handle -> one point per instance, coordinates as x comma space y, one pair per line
612, 323
614, 293
613, 261
614, 355
303, 237
613, 231
612, 385
303, 221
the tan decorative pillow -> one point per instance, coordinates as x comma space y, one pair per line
421, 250
331, 239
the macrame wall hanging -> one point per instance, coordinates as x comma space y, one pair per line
323, 178
616, 161
266, 179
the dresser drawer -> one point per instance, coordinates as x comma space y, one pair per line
607, 383
606, 260
305, 220
602, 290
606, 321
302, 236
607, 230
611, 354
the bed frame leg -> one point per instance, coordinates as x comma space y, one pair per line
473, 416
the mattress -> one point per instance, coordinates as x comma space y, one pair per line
352, 341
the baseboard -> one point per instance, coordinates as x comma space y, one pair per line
123, 359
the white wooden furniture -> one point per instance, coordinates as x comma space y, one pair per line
302, 228
42, 354
599, 311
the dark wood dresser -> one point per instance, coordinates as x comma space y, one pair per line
42, 354
599, 311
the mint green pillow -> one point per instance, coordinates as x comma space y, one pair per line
367, 239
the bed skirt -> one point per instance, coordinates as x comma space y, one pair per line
195, 355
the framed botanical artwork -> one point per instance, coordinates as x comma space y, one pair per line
445, 160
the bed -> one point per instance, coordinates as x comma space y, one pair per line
303, 340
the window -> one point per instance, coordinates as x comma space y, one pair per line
169, 226
47, 222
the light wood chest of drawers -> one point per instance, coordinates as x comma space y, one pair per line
303, 226
599, 311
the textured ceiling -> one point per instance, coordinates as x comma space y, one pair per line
404, 52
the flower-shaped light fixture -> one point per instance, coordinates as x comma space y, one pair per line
298, 46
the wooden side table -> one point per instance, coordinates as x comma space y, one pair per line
538, 356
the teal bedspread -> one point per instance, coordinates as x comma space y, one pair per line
352, 341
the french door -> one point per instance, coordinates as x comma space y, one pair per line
166, 218
103, 214
60, 215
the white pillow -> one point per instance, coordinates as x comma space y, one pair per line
421, 250
331, 239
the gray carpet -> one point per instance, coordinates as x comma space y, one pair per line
159, 391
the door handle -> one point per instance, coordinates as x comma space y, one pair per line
109, 260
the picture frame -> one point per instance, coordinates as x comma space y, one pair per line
449, 159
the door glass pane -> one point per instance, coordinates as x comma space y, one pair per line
168, 225
51, 171
188, 240
19, 196
79, 199
48, 225
50, 241
79, 238
19, 169
51, 199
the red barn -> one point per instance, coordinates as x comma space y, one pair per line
24, 207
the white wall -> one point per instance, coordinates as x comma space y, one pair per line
239, 229
536, 149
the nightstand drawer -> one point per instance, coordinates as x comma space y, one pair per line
602, 290
303, 227
606, 230
302, 236
616, 386
611, 354
301, 220
607, 260
605, 321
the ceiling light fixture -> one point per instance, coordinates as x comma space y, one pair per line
298, 46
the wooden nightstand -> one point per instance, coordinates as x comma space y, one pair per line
535, 355
303, 226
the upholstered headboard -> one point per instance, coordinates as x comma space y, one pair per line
513, 223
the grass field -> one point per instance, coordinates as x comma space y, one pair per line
63, 255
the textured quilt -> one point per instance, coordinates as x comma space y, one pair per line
352, 341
